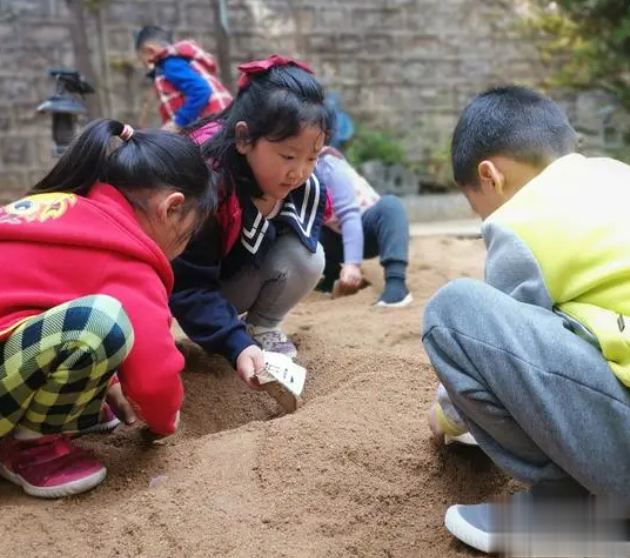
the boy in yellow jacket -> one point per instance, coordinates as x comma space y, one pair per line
535, 361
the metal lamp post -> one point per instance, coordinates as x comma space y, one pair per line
65, 105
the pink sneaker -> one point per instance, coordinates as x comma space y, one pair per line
107, 421
50, 466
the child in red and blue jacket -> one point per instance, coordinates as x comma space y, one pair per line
185, 78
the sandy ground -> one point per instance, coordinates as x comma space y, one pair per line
352, 473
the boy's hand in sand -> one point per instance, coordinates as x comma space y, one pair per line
350, 278
250, 363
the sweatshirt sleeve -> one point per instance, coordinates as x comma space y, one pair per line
150, 376
339, 182
201, 310
196, 90
512, 268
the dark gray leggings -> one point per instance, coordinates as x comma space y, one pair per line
287, 275
385, 232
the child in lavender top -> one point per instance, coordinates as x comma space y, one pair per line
362, 225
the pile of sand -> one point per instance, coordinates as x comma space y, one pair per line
352, 473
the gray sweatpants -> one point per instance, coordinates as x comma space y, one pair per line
542, 402
288, 273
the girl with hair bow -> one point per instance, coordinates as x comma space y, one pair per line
262, 150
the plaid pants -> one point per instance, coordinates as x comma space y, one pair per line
56, 367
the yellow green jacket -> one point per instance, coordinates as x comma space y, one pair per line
563, 243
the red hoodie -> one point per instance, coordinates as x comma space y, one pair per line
55, 248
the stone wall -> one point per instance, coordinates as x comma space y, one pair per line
406, 64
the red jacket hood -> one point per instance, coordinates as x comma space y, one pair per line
104, 220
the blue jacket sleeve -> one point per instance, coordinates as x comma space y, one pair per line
201, 310
195, 89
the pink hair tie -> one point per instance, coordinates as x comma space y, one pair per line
126, 133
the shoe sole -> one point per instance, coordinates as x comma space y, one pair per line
466, 439
465, 532
404, 302
101, 427
69, 489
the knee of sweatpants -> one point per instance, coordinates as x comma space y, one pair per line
104, 327
391, 204
455, 305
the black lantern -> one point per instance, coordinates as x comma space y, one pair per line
65, 105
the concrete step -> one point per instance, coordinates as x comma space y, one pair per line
437, 207
467, 228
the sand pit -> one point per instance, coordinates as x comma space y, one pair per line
352, 473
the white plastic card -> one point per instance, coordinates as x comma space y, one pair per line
280, 368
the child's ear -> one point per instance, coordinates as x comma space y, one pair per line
491, 179
241, 132
171, 206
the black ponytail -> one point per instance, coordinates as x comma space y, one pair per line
84, 162
147, 160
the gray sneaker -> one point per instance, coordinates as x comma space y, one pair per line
526, 526
272, 340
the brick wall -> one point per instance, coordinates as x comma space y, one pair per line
408, 64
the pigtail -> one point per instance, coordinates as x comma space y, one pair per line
85, 161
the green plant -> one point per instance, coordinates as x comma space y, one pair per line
376, 144
437, 164
590, 39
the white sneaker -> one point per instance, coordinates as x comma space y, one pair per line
525, 526
399, 304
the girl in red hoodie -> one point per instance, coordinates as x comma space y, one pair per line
84, 292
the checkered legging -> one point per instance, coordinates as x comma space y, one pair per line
55, 368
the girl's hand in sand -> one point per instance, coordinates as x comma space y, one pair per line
350, 278
250, 363
119, 404
160, 439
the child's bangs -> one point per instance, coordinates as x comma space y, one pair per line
287, 116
